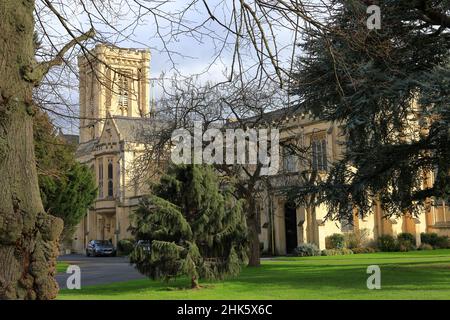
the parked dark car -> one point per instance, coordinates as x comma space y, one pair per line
100, 248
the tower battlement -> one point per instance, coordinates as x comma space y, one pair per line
113, 81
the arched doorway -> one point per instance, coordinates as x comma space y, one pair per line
290, 222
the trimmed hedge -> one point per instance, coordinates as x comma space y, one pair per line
387, 243
429, 238
335, 245
404, 242
443, 243
434, 240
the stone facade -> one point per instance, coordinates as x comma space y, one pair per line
284, 225
114, 105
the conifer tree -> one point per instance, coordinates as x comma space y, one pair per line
193, 225
388, 88
67, 187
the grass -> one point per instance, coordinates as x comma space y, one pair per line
410, 275
61, 266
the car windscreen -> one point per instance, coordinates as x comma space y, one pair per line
102, 242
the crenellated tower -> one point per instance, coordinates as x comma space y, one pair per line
113, 81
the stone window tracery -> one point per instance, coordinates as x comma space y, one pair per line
110, 178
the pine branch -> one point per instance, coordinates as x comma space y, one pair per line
433, 16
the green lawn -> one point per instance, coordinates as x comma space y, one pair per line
412, 275
61, 266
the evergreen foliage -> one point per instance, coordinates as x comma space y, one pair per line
67, 187
389, 91
194, 225
435, 240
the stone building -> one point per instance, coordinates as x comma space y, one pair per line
284, 225
114, 107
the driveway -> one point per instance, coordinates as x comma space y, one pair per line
98, 270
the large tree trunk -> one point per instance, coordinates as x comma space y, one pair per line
28, 236
253, 229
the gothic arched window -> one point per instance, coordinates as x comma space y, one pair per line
100, 178
319, 152
110, 178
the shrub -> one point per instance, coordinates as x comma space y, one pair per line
442, 242
406, 241
406, 237
426, 246
429, 238
387, 243
404, 247
347, 251
306, 250
364, 250
329, 252
372, 243
125, 246
436, 241
336, 252
335, 241
352, 240
357, 239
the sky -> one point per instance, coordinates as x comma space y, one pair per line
191, 53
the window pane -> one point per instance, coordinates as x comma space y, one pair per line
100, 180
319, 154
110, 178
110, 170
289, 160
324, 155
314, 155
110, 188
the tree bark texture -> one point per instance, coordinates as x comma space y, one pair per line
253, 229
28, 236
